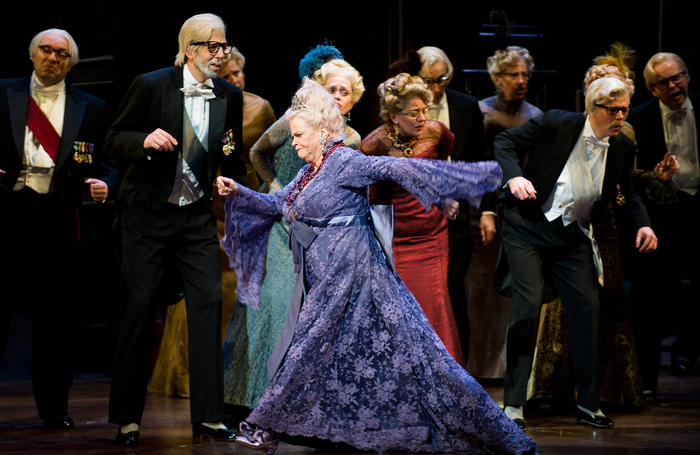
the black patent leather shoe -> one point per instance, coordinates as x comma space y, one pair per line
520, 423
593, 420
58, 423
217, 434
129, 439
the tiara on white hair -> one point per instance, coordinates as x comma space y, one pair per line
298, 105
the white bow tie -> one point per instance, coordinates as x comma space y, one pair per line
678, 114
593, 143
202, 90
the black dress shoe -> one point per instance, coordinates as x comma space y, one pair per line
520, 423
58, 423
129, 439
217, 434
593, 420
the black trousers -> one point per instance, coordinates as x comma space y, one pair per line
158, 239
39, 276
539, 250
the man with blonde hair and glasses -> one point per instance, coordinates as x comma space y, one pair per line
176, 126
667, 124
578, 164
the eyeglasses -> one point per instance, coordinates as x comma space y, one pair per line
614, 110
442, 80
61, 54
676, 79
415, 114
214, 46
514, 76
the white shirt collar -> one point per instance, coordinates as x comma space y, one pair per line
36, 84
666, 111
588, 131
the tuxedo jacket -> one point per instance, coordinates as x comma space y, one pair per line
85, 120
649, 131
551, 139
466, 123
156, 101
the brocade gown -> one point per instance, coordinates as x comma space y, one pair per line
365, 367
421, 245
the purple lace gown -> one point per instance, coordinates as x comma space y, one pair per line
365, 367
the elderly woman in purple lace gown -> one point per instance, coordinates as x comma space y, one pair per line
359, 362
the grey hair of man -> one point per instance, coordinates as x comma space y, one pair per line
604, 90
72, 46
430, 55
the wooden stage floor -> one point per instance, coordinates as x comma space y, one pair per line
669, 426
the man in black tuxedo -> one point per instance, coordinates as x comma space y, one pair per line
547, 213
177, 125
667, 125
51, 147
461, 114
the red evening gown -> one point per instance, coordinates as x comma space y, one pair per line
420, 242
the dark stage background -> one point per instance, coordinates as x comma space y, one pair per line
120, 39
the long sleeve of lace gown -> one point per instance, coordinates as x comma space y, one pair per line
431, 182
249, 218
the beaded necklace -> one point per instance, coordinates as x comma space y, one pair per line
309, 175
405, 147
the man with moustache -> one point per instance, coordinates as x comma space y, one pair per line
176, 126
667, 124
461, 114
577, 163
51, 147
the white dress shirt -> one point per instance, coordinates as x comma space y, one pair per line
188, 190
682, 141
197, 108
440, 111
37, 166
561, 200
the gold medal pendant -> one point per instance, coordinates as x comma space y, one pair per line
620, 199
227, 150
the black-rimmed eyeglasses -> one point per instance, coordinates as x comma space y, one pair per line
676, 79
61, 54
214, 46
614, 110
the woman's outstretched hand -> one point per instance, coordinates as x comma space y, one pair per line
226, 186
